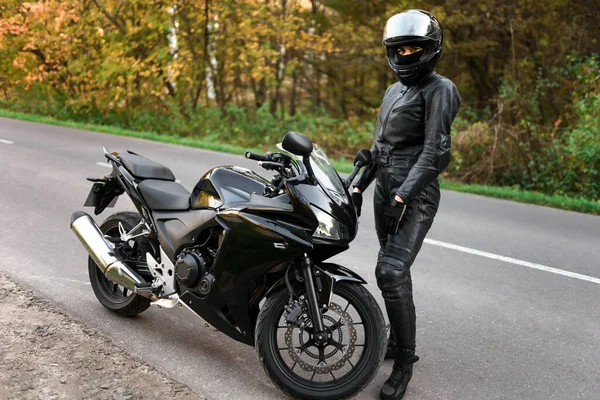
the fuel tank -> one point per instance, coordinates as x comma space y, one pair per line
225, 186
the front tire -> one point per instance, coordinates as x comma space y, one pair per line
113, 297
358, 344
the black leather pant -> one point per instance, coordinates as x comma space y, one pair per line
397, 252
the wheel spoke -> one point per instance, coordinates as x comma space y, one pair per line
335, 343
313, 375
124, 292
305, 346
347, 305
115, 288
336, 325
333, 376
283, 348
321, 355
351, 363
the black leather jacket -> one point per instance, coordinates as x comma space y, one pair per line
414, 123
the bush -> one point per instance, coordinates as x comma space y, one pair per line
515, 147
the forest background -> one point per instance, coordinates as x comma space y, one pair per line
247, 71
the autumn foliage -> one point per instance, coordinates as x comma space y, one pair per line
246, 71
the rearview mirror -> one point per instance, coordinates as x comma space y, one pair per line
297, 143
363, 157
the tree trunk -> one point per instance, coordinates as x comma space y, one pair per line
293, 94
485, 91
342, 95
259, 89
315, 6
206, 59
317, 87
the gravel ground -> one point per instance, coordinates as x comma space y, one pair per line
47, 355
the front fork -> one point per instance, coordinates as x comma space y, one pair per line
306, 266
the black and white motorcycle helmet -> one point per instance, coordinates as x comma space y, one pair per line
413, 28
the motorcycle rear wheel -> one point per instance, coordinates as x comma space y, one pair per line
299, 368
113, 297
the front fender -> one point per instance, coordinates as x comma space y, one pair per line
327, 275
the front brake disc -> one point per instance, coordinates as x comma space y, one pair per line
347, 350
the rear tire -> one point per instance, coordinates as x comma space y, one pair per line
113, 297
286, 369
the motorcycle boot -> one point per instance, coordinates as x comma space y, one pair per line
395, 387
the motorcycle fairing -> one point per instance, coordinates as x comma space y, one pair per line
266, 245
180, 229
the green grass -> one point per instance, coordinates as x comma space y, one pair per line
561, 202
113, 130
524, 196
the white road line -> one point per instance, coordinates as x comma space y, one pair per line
6, 141
484, 254
514, 261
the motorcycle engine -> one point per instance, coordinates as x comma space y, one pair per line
193, 265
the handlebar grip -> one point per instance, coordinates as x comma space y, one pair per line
270, 165
257, 157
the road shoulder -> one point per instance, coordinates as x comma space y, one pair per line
46, 354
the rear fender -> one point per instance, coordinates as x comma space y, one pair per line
103, 194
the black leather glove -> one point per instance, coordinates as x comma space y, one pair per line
392, 216
357, 199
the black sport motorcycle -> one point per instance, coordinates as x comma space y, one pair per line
247, 256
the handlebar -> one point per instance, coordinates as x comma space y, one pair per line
279, 162
271, 165
258, 157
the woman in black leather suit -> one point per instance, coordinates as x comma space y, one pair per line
411, 148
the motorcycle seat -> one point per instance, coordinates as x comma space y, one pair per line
164, 195
144, 168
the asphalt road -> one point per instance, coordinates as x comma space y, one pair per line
507, 294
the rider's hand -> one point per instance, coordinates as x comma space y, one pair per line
392, 216
357, 199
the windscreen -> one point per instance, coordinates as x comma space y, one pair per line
324, 171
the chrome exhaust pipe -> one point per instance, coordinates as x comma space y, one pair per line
101, 251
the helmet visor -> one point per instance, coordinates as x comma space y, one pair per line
400, 58
409, 26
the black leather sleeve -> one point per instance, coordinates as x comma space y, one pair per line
369, 173
441, 106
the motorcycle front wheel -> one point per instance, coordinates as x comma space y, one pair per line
340, 369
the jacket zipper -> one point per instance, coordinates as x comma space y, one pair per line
400, 96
